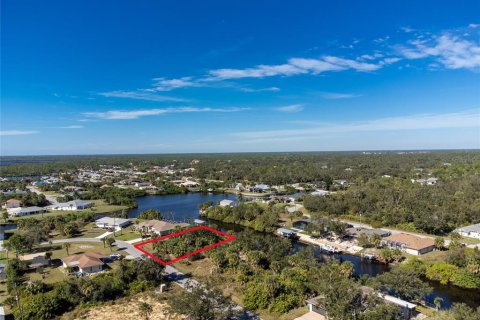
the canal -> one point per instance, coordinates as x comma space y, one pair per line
183, 207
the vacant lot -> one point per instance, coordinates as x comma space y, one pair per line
126, 309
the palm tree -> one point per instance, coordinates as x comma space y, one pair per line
438, 303
67, 245
145, 310
110, 242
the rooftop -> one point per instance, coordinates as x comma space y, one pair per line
471, 228
411, 241
85, 260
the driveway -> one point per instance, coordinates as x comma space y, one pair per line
129, 248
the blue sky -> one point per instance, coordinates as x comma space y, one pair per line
96, 77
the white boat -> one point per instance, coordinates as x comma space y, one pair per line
330, 249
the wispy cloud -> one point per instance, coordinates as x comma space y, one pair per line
69, 127
470, 118
269, 89
16, 132
296, 66
135, 114
290, 108
163, 84
140, 95
338, 95
452, 51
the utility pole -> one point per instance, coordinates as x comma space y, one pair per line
17, 298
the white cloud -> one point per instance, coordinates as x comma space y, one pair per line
135, 114
163, 84
473, 25
295, 66
70, 127
269, 89
291, 108
470, 118
140, 95
337, 95
407, 29
16, 132
451, 51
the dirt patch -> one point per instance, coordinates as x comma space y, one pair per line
127, 309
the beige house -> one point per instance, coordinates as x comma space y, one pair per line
410, 243
12, 203
159, 227
88, 262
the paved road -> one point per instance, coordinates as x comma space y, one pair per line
75, 240
52, 199
129, 248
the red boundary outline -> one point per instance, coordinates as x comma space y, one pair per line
139, 246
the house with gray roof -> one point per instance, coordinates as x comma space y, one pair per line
73, 205
472, 231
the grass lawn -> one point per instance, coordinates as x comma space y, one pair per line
91, 231
470, 240
295, 313
434, 256
126, 235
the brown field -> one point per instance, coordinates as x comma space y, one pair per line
125, 309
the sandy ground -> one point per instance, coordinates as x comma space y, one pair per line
127, 309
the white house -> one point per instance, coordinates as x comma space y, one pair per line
226, 203
73, 205
261, 188
472, 231
20, 212
109, 222
321, 193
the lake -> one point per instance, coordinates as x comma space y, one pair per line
181, 207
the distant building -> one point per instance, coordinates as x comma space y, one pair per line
109, 222
14, 192
88, 262
472, 231
426, 182
227, 203
321, 193
189, 184
20, 212
410, 243
73, 205
261, 188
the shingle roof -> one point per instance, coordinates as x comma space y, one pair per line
85, 260
411, 241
